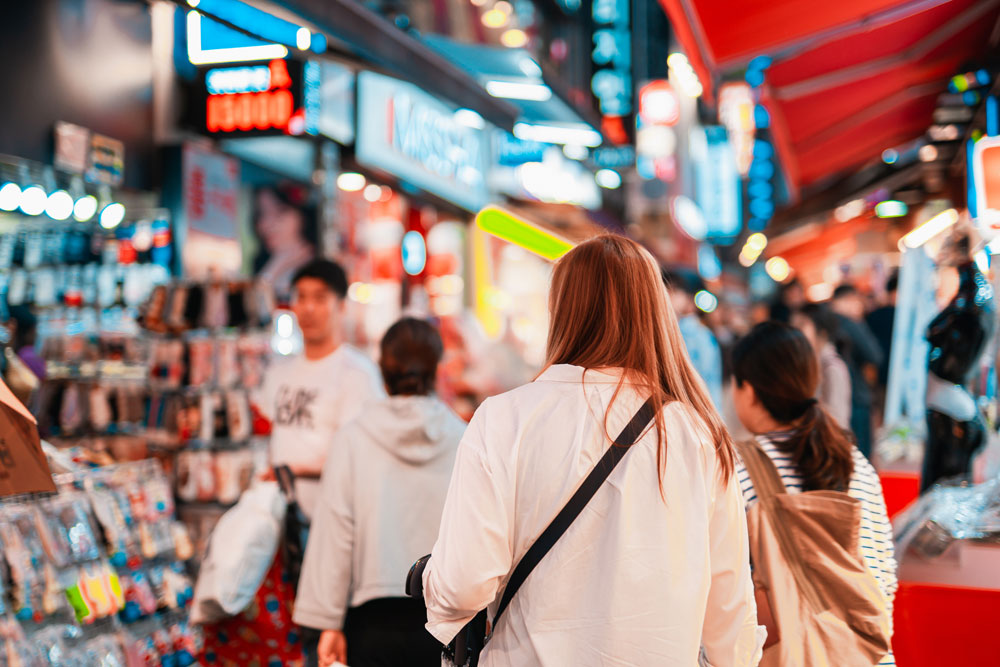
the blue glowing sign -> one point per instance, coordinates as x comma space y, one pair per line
614, 157
414, 252
210, 41
512, 152
717, 182
760, 189
612, 57
229, 80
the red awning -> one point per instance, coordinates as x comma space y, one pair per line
849, 79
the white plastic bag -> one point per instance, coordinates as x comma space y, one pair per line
240, 552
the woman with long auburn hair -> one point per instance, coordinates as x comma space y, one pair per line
655, 568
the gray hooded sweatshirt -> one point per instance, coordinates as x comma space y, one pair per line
380, 502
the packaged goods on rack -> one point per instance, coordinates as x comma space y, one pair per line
97, 572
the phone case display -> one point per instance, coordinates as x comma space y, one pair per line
97, 573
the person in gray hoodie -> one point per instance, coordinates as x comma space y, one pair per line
382, 492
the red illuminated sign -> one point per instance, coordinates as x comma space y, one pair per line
270, 109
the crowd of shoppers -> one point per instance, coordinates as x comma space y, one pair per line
655, 566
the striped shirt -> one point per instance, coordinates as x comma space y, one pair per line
875, 534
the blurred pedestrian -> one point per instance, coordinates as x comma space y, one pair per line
862, 353
22, 335
819, 325
309, 398
881, 321
655, 567
791, 297
701, 344
380, 503
775, 377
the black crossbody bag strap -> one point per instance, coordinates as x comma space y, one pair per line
594, 480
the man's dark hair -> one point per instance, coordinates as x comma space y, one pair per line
845, 289
330, 273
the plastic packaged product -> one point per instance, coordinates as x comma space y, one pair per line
240, 425
201, 366
228, 363
183, 547
105, 651
96, 593
73, 518
233, 470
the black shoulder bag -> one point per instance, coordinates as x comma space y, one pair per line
465, 648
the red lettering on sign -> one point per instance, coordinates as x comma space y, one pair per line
279, 74
249, 111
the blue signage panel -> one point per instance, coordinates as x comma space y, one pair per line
717, 182
414, 136
512, 152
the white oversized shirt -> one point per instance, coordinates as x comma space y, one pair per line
307, 401
636, 579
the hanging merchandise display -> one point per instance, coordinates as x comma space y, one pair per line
97, 573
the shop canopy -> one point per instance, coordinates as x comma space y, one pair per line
848, 78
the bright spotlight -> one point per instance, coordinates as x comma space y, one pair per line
33, 200
112, 215
706, 301
777, 268
514, 38
85, 208
303, 38
608, 178
351, 181
59, 205
757, 242
10, 197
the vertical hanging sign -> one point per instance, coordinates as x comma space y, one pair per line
612, 58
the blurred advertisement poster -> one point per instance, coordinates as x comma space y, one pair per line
210, 207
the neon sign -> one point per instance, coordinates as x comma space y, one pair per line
243, 99
612, 57
227, 80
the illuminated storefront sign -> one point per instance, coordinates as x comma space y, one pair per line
612, 57
763, 170
511, 151
614, 157
251, 34
279, 97
414, 136
717, 182
658, 103
736, 114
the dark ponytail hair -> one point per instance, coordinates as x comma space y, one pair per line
781, 366
411, 350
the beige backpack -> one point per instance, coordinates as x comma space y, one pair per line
825, 606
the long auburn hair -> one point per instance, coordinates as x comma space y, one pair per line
609, 309
780, 364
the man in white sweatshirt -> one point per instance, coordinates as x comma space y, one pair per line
309, 398
379, 508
